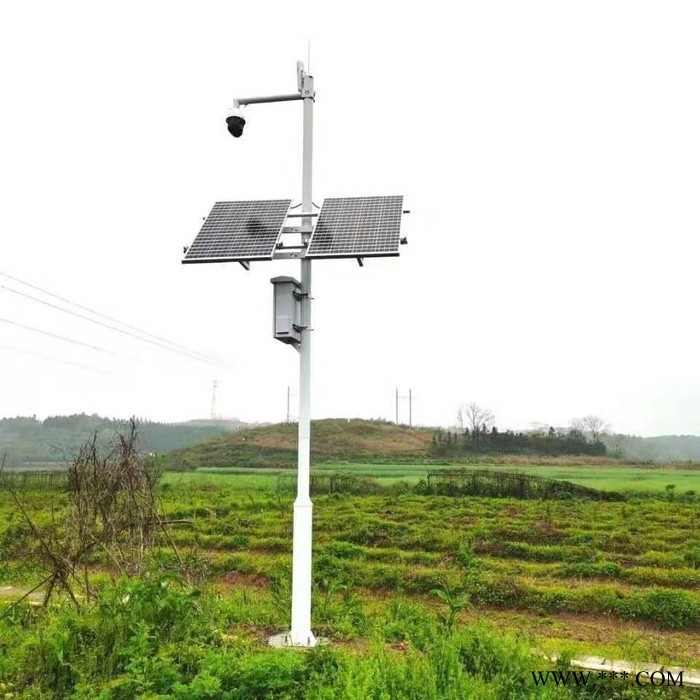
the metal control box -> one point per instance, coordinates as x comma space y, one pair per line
287, 310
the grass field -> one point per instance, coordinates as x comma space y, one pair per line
611, 477
615, 579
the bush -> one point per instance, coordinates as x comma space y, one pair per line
692, 555
676, 609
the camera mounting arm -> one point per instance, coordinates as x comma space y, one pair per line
305, 86
262, 100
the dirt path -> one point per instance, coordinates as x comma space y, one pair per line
14, 593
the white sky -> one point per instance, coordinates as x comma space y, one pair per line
549, 153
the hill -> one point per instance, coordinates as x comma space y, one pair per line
663, 448
333, 440
345, 440
26, 440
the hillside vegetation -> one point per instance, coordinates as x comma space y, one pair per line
333, 440
342, 440
29, 440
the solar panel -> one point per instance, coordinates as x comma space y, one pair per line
356, 227
239, 231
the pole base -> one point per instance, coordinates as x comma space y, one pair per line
284, 640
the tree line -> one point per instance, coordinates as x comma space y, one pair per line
476, 431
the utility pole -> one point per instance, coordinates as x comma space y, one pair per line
301, 633
215, 385
247, 231
288, 397
410, 406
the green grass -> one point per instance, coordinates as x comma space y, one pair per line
614, 578
249, 480
611, 477
156, 640
619, 478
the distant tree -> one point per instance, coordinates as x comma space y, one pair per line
616, 444
575, 433
474, 418
593, 427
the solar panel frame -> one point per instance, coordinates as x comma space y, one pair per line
239, 231
357, 227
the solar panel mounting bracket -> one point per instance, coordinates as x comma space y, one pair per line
288, 254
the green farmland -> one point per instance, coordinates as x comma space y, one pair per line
616, 579
611, 477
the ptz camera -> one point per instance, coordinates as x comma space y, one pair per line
235, 121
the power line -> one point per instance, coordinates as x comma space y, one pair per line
186, 353
111, 318
80, 343
24, 351
60, 337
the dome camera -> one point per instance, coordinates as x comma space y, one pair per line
235, 121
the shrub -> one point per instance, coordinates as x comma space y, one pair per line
675, 609
692, 555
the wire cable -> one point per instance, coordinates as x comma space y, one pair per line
60, 337
192, 356
80, 343
184, 348
24, 351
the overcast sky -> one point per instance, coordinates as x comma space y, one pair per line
549, 153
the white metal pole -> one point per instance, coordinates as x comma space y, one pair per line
301, 633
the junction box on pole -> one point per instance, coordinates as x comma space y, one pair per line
287, 310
